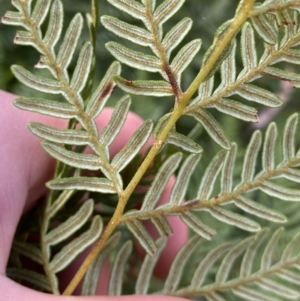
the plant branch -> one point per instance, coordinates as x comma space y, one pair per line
242, 14
183, 99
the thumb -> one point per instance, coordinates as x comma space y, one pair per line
14, 292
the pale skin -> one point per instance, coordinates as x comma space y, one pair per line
24, 169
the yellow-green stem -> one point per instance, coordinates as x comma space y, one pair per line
240, 18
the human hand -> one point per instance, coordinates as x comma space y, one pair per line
24, 168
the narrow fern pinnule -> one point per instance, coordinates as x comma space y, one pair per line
276, 24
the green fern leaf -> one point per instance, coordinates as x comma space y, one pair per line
178, 264
35, 279
210, 175
133, 58
162, 225
55, 25
223, 271
233, 219
132, 7
268, 156
227, 171
133, 146
166, 10
102, 185
72, 137
180, 187
196, 225
184, 57
127, 31
183, 142
69, 252
277, 73
206, 263
59, 202
142, 235
248, 48
13, 18
28, 250
267, 256
90, 282
259, 95
212, 127
82, 70
36, 82
115, 284
259, 210
71, 225
149, 88
40, 11
160, 181
280, 192
70, 40
228, 69
251, 157
103, 91
116, 122
78, 160
145, 273
46, 107
289, 138
173, 38
265, 29
251, 294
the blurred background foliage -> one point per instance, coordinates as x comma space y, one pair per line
207, 17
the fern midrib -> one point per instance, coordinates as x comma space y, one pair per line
161, 50
223, 197
237, 282
245, 78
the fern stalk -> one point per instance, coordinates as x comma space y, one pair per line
242, 14
240, 18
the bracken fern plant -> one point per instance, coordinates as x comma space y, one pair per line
99, 199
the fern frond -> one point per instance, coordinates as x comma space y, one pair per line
265, 288
251, 71
90, 282
115, 284
144, 277
250, 180
152, 36
37, 280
